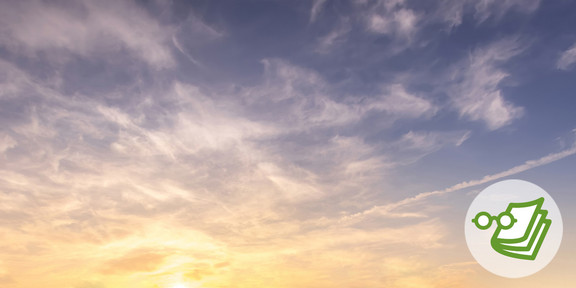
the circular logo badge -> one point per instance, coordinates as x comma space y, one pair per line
513, 228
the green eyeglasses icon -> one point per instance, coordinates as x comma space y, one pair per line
504, 220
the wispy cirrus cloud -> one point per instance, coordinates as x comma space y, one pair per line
567, 59
317, 6
85, 28
426, 142
219, 167
113, 174
475, 85
300, 99
530, 164
334, 38
485, 9
402, 20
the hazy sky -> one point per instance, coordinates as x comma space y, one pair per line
279, 144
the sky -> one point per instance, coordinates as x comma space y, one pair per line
323, 143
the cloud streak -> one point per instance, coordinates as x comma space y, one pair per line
567, 59
530, 164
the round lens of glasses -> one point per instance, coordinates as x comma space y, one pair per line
506, 220
482, 220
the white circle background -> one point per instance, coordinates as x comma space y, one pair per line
494, 200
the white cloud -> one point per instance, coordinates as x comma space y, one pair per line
317, 6
251, 175
6, 142
193, 33
475, 87
450, 12
396, 101
301, 99
211, 174
414, 145
295, 98
498, 8
334, 37
453, 11
86, 28
393, 18
402, 20
432, 141
567, 59
198, 124
530, 164
294, 189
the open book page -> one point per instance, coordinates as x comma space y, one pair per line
523, 215
526, 242
532, 251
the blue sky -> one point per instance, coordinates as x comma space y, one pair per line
216, 143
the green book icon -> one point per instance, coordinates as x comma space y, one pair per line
521, 229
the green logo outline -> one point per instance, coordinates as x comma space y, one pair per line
536, 234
